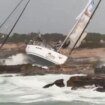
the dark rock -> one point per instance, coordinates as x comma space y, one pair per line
48, 85
58, 83
101, 89
24, 69
10, 69
81, 81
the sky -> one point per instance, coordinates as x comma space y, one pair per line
50, 16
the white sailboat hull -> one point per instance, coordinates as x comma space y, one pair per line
45, 56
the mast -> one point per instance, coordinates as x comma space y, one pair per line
76, 26
85, 27
68, 35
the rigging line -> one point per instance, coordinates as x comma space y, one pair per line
11, 14
72, 29
85, 27
68, 35
14, 24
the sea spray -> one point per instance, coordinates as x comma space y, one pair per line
29, 89
20, 59
15, 60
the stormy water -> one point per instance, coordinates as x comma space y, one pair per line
28, 90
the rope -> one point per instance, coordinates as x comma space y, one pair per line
14, 25
85, 27
11, 13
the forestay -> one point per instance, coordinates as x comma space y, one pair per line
75, 38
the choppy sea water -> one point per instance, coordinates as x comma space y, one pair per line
19, 90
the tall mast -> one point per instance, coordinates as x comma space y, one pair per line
76, 25
85, 27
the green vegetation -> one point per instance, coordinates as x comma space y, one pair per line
25, 38
93, 40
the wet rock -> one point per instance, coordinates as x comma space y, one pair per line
100, 89
82, 81
48, 85
79, 81
29, 69
58, 83
10, 69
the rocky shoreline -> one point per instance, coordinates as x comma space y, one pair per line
82, 61
81, 82
28, 69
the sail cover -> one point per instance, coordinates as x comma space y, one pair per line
81, 22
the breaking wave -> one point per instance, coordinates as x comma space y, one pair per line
29, 89
15, 60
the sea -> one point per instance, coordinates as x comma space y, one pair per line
28, 90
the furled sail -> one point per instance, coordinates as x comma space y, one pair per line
81, 22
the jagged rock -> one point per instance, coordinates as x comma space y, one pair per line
101, 89
81, 81
48, 85
58, 83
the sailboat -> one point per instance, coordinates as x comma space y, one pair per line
48, 56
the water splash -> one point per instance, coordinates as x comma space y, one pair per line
29, 89
15, 60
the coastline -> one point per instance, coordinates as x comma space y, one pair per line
82, 61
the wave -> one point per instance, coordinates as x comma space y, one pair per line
17, 59
30, 89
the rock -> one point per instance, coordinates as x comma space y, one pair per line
10, 68
100, 89
82, 81
48, 85
79, 81
58, 83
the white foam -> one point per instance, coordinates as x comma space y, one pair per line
29, 89
15, 60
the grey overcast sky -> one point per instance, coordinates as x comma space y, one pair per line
51, 16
